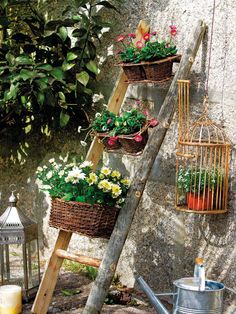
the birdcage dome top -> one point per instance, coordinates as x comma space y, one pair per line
205, 131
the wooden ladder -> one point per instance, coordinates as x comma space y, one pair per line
116, 242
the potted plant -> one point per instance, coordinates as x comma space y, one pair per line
148, 59
83, 201
132, 130
104, 123
199, 186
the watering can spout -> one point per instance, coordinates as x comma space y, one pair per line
156, 303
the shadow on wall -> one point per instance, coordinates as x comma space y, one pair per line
21, 172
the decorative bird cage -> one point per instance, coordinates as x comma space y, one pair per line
203, 156
19, 251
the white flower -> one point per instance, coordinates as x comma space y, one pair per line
51, 160
60, 173
79, 129
106, 171
75, 175
39, 169
86, 163
63, 159
44, 167
49, 175
97, 97
98, 115
83, 143
104, 128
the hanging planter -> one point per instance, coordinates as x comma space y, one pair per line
83, 201
110, 143
148, 59
136, 142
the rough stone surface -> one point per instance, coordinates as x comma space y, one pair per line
162, 242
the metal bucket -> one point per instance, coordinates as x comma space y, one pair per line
189, 300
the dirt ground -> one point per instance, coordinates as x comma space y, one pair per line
77, 282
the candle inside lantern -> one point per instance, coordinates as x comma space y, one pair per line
10, 299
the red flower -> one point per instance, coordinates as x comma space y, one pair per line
153, 122
112, 140
138, 138
146, 36
132, 35
109, 121
120, 38
139, 44
153, 33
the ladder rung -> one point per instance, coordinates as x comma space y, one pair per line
86, 260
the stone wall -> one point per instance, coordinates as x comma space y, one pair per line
162, 242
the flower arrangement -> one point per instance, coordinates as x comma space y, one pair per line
104, 122
150, 49
78, 182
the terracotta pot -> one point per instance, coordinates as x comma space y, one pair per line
198, 203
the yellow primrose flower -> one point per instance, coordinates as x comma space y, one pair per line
125, 181
92, 178
115, 174
106, 171
116, 190
104, 185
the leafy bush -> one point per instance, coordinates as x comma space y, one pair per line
45, 79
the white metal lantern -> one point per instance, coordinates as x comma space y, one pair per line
19, 250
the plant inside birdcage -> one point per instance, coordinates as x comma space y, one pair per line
83, 201
199, 186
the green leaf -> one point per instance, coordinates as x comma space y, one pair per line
10, 58
67, 66
79, 32
64, 118
107, 5
57, 73
80, 199
62, 96
91, 66
46, 67
76, 18
69, 293
24, 59
87, 91
82, 77
62, 32
42, 83
41, 98
26, 74
71, 56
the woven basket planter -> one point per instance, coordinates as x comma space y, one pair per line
95, 221
129, 144
158, 70
134, 72
104, 138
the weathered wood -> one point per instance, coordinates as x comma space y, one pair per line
108, 266
85, 260
49, 279
142, 29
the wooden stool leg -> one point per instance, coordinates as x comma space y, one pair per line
49, 279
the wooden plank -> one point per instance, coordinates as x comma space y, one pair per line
142, 29
85, 260
109, 263
48, 282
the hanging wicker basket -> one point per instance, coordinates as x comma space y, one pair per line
95, 221
130, 145
104, 138
134, 72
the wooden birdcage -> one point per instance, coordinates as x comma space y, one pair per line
203, 156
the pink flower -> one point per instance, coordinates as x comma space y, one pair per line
109, 121
120, 38
145, 112
132, 35
112, 140
138, 138
146, 36
153, 33
173, 30
138, 101
153, 122
139, 44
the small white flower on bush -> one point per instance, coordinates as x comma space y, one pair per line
98, 115
52, 160
75, 175
49, 175
79, 129
83, 143
61, 173
86, 163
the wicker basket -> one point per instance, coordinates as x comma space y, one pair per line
96, 221
104, 138
158, 70
134, 72
130, 145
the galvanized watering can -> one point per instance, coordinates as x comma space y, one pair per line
187, 299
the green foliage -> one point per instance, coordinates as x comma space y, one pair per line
104, 122
153, 48
197, 180
130, 122
77, 182
45, 80
91, 272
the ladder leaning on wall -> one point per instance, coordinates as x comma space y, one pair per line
108, 264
